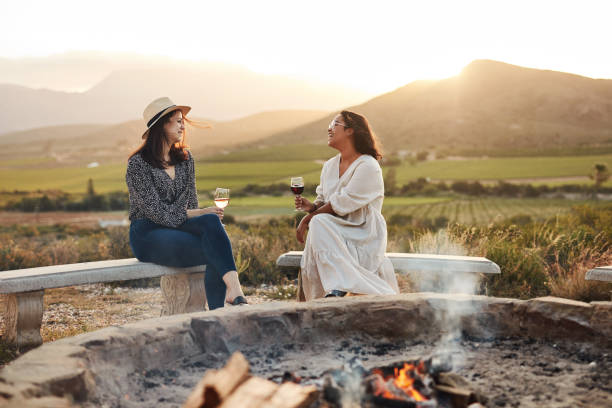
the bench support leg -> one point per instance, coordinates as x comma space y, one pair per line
183, 293
300, 289
24, 312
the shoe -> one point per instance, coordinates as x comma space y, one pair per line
335, 293
238, 301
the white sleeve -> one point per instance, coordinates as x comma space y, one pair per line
365, 186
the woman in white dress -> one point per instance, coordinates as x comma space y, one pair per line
347, 237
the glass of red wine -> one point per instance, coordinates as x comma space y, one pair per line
297, 188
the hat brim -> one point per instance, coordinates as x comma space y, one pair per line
184, 109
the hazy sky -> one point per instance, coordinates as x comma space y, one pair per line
374, 45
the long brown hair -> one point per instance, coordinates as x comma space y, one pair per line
364, 138
152, 149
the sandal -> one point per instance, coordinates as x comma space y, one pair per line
238, 301
335, 293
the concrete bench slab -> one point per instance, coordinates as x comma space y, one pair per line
59, 276
182, 288
417, 263
602, 273
428, 263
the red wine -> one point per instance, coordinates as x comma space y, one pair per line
297, 189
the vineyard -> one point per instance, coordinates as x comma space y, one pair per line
277, 165
481, 211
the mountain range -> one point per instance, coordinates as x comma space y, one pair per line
78, 143
489, 105
217, 91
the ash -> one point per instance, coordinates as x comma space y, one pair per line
510, 372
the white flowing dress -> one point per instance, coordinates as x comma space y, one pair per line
347, 251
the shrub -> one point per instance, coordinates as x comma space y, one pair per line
15, 256
536, 258
520, 219
522, 272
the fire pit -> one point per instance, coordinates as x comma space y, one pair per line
542, 352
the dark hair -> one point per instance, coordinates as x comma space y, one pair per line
364, 138
152, 148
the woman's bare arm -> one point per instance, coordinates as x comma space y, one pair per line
301, 229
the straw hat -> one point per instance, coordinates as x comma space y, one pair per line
159, 108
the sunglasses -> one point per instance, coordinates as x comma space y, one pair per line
333, 124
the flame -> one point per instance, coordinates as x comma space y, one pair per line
404, 380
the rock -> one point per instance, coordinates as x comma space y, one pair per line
114, 353
43, 402
551, 317
602, 318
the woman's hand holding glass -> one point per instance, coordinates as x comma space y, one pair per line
208, 210
303, 204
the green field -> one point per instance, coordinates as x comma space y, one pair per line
271, 205
111, 177
483, 211
277, 153
38, 174
479, 211
502, 168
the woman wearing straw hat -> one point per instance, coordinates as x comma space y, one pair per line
167, 227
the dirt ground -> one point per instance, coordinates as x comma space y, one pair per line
79, 309
507, 372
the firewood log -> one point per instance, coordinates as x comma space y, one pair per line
216, 385
290, 395
255, 392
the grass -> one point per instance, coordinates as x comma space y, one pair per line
239, 169
479, 211
235, 175
501, 168
277, 153
111, 177
283, 205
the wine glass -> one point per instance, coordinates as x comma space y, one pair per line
297, 188
222, 197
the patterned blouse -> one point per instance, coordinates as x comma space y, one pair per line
156, 197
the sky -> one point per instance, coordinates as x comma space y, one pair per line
374, 45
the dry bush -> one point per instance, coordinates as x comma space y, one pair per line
256, 249
440, 242
569, 281
63, 252
405, 283
119, 243
20, 254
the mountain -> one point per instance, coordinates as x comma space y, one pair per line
214, 90
74, 71
489, 105
115, 142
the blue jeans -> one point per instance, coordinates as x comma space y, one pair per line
198, 241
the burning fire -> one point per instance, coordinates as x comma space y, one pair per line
402, 380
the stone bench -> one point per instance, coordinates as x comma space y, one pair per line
601, 273
182, 288
411, 263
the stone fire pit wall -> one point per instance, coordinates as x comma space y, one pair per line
96, 363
